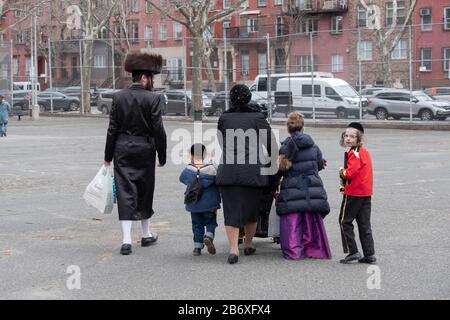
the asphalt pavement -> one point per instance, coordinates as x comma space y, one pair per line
46, 228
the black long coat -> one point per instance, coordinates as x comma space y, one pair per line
135, 134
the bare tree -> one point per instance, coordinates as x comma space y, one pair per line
388, 39
196, 16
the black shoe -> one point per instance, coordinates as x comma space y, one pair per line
197, 252
241, 240
369, 260
209, 245
232, 258
351, 257
125, 249
249, 251
145, 242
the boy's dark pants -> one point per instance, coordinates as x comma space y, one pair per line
200, 220
356, 208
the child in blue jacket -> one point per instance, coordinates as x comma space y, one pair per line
204, 210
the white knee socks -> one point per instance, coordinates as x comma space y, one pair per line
126, 231
145, 231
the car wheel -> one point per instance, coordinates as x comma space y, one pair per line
73, 106
218, 112
104, 109
41, 108
426, 115
381, 114
341, 113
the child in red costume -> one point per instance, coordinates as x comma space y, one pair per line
357, 180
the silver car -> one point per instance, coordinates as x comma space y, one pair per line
396, 104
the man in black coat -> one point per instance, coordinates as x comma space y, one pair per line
135, 134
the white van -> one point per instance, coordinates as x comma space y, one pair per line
26, 86
259, 86
331, 95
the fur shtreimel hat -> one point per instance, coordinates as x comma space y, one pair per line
148, 62
357, 126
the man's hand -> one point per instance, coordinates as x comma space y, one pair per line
107, 163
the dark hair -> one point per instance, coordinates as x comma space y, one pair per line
295, 122
360, 139
240, 95
137, 75
195, 150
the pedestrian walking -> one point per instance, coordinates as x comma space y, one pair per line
302, 203
357, 177
5, 109
202, 198
239, 176
135, 134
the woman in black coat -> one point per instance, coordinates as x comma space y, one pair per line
135, 134
240, 175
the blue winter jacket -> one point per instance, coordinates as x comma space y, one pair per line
210, 199
4, 111
301, 189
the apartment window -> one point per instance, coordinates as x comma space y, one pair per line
278, 2
400, 50
27, 66
135, 6
21, 37
149, 36
99, 61
365, 51
303, 63
16, 66
226, 4
178, 31
426, 20
17, 12
245, 63
336, 24
447, 19
308, 26
118, 30
134, 32
446, 57
362, 17
226, 28
163, 33
177, 69
425, 58
148, 8
400, 13
337, 63
262, 63
279, 26
252, 25
261, 3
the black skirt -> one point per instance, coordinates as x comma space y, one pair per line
241, 205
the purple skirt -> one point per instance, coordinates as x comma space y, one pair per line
303, 236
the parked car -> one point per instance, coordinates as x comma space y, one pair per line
175, 103
396, 104
439, 92
22, 100
369, 92
60, 101
218, 104
104, 101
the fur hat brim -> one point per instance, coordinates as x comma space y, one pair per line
137, 61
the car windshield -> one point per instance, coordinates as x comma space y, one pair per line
346, 91
422, 96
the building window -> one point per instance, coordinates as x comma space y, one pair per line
148, 8
135, 6
27, 66
262, 63
447, 19
400, 13
176, 71
362, 17
308, 26
278, 2
245, 63
16, 66
252, 25
446, 57
163, 33
400, 51
336, 24
226, 4
425, 59
426, 20
149, 36
261, 3
303, 63
365, 51
99, 61
134, 32
118, 30
226, 28
178, 31
279, 27
337, 63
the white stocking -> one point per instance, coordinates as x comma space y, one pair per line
126, 231
145, 231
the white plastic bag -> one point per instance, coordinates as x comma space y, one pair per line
99, 193
274, 222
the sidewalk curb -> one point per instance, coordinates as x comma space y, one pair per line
309, 123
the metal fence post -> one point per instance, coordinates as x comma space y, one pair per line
227, 106
81, 76
269, 82
185, 78
12, 72
313, 92
410, 74
50, 78
360, 76
113, 63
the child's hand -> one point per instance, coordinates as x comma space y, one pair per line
341, 172
215, 212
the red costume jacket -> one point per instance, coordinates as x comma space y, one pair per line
359, 171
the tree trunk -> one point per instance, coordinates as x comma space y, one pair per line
86, 76
197, 100
386, 64
209, 72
